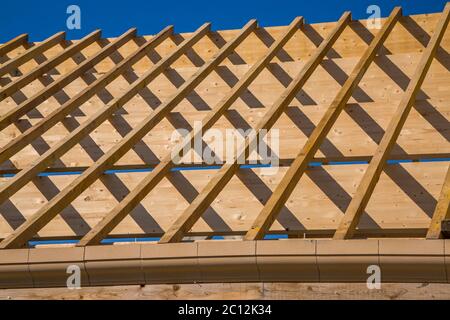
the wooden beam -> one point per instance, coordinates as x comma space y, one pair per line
238, 291
31, 53
318, 193
60, 83
365, 189
25, 175
188, 218
19, 142
442, 211
13, 43
48, 65
53, 207
299, 234
152, 179
300, 164
283, 162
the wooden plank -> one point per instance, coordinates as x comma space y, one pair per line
29, 228
283, 162
442, 211
403, 202
31, 53
356, 132
365, 189
354, 137
27, 174
13, 43
137, 194
296, 170
99, 117
38, 98
239, 291
185, 222
69, 240
15, 145
48, 65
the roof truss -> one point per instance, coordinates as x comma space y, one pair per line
326, 52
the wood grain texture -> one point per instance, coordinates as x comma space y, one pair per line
298, 167
219, 181
31, 53
367, 185
58, 132
137, 194
425, 129
101, 115
13, 43
88, 177
442, 210
34, 74
241, 291
405, 198
15, 145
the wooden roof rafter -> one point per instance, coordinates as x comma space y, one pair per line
27, 230
34, 74
47, 158
442, 210
300, 164
116, 152
13, 43
204, 199
15, 145
125, 206
367, 185
31, 53
61, 82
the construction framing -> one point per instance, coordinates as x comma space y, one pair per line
87, 136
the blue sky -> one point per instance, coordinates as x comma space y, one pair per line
42, 18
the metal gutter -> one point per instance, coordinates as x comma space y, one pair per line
290, 260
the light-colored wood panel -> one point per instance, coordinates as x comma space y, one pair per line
240, 291
405, 197
30, 54
395, 69
376, 83
356, 133
411, 189
135, 196
388, 141
13, 44
442, 210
